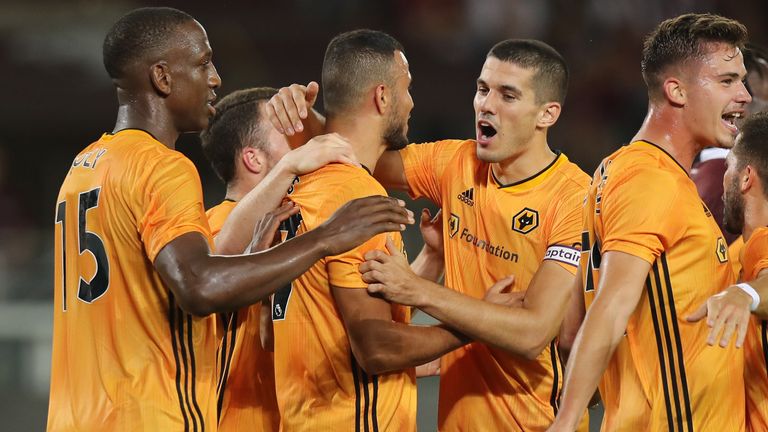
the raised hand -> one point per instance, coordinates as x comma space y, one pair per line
432, 230
499, 293
290, 106
318, 152
359, 220
266, 233
727, 312
390, 276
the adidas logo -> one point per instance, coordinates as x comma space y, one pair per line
467, 197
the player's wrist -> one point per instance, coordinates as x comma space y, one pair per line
749, 293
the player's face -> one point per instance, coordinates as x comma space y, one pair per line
396, 133
193, 78
506, 110
733, 209
716, 95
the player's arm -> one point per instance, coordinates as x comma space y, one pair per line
525, 330
728, 313
621, 285
382, 345
204, 283
238, 228
574, 316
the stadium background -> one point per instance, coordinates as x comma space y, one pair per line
56, 99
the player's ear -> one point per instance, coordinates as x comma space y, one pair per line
748, 178
674, 91
254, 160
381, 98
160, 76
549, 114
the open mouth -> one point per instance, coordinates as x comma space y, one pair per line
730, 120
486, 130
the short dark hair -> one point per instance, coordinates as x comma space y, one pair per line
755, 60
680, 39
550, 80
353, 61
752, 147
138, 33
236, 124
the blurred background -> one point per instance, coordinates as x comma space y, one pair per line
57, 99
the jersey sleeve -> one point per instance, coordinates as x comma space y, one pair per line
636, 208
425, 165
343, 269
171, 203
755, 258
563, 244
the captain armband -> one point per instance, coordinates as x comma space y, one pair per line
563, 254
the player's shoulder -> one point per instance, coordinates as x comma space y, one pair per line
221, 210
757, 241
642, 163
571, 175
443, 148
338, 178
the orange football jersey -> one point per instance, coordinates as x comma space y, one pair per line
494, 230
125, 356
246, 398
320, 386
663, 375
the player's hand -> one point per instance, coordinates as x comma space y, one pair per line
390, 276
428, 369
290, 106
357, 221
500, 294
432, 231
318, 152
266, 233
727, 313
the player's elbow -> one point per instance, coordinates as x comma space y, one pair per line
195, 302
375, 364
534, 349
197, 295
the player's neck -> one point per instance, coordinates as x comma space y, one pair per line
242, 184
140, 115
364, 136
664, 128
524, 164
755, 214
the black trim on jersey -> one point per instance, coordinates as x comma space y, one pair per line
671, 364
555, 382
113, 133
374, 414
666, 153
183, 346
369, 402
353, 363
172, 323
662, 364
502, 186
230, 200
764, 336
678, 344
226, 359
367, 170
194, 372
366, 399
